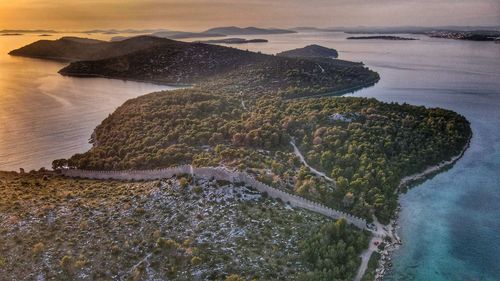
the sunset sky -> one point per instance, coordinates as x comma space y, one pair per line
201, 14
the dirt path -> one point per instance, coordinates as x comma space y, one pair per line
303, 160
365, 257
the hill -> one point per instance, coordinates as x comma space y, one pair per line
76, 48
184, 35
174, 62
233, 30
311, 51
159, 60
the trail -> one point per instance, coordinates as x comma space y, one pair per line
303, 160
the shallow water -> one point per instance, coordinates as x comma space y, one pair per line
450, 224
43, 115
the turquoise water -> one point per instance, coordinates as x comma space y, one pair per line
450, 224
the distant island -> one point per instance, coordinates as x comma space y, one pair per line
213, 32
233, 30
11, 34
471, 33
233, 41
153, 59
76, 48
27, 31
117, 31
185, 35
311, 51
478, 35
380, 37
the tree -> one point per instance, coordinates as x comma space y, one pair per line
59, 164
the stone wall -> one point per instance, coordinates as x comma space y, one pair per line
219, 173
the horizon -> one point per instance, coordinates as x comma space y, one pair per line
84, 30
196, 15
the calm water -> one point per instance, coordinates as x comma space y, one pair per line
43, 115
450, 224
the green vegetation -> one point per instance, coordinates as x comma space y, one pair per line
365, 145
333, 252
372, 266
65, 229
368, 146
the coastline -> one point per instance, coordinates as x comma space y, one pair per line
339, 93
385, 261
68, 61
160, 83
408, 180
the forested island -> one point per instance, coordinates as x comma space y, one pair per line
234, 30
311, 51
233, 41
380, 37
245, 111
477, 35
213, 32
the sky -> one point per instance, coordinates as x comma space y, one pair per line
203, 14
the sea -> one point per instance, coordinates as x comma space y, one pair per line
450, 224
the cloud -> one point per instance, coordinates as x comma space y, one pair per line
200, 14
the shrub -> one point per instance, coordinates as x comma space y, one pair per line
183, 182
234, 277
167, 244
65, 263
38, 248
197, 189
195, 261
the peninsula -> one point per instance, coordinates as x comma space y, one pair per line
286, 177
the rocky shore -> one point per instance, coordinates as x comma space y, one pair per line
390, 245
394, 241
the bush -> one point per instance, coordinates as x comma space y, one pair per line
66, 263
167, 244
195, 261
198, 189
38, 248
